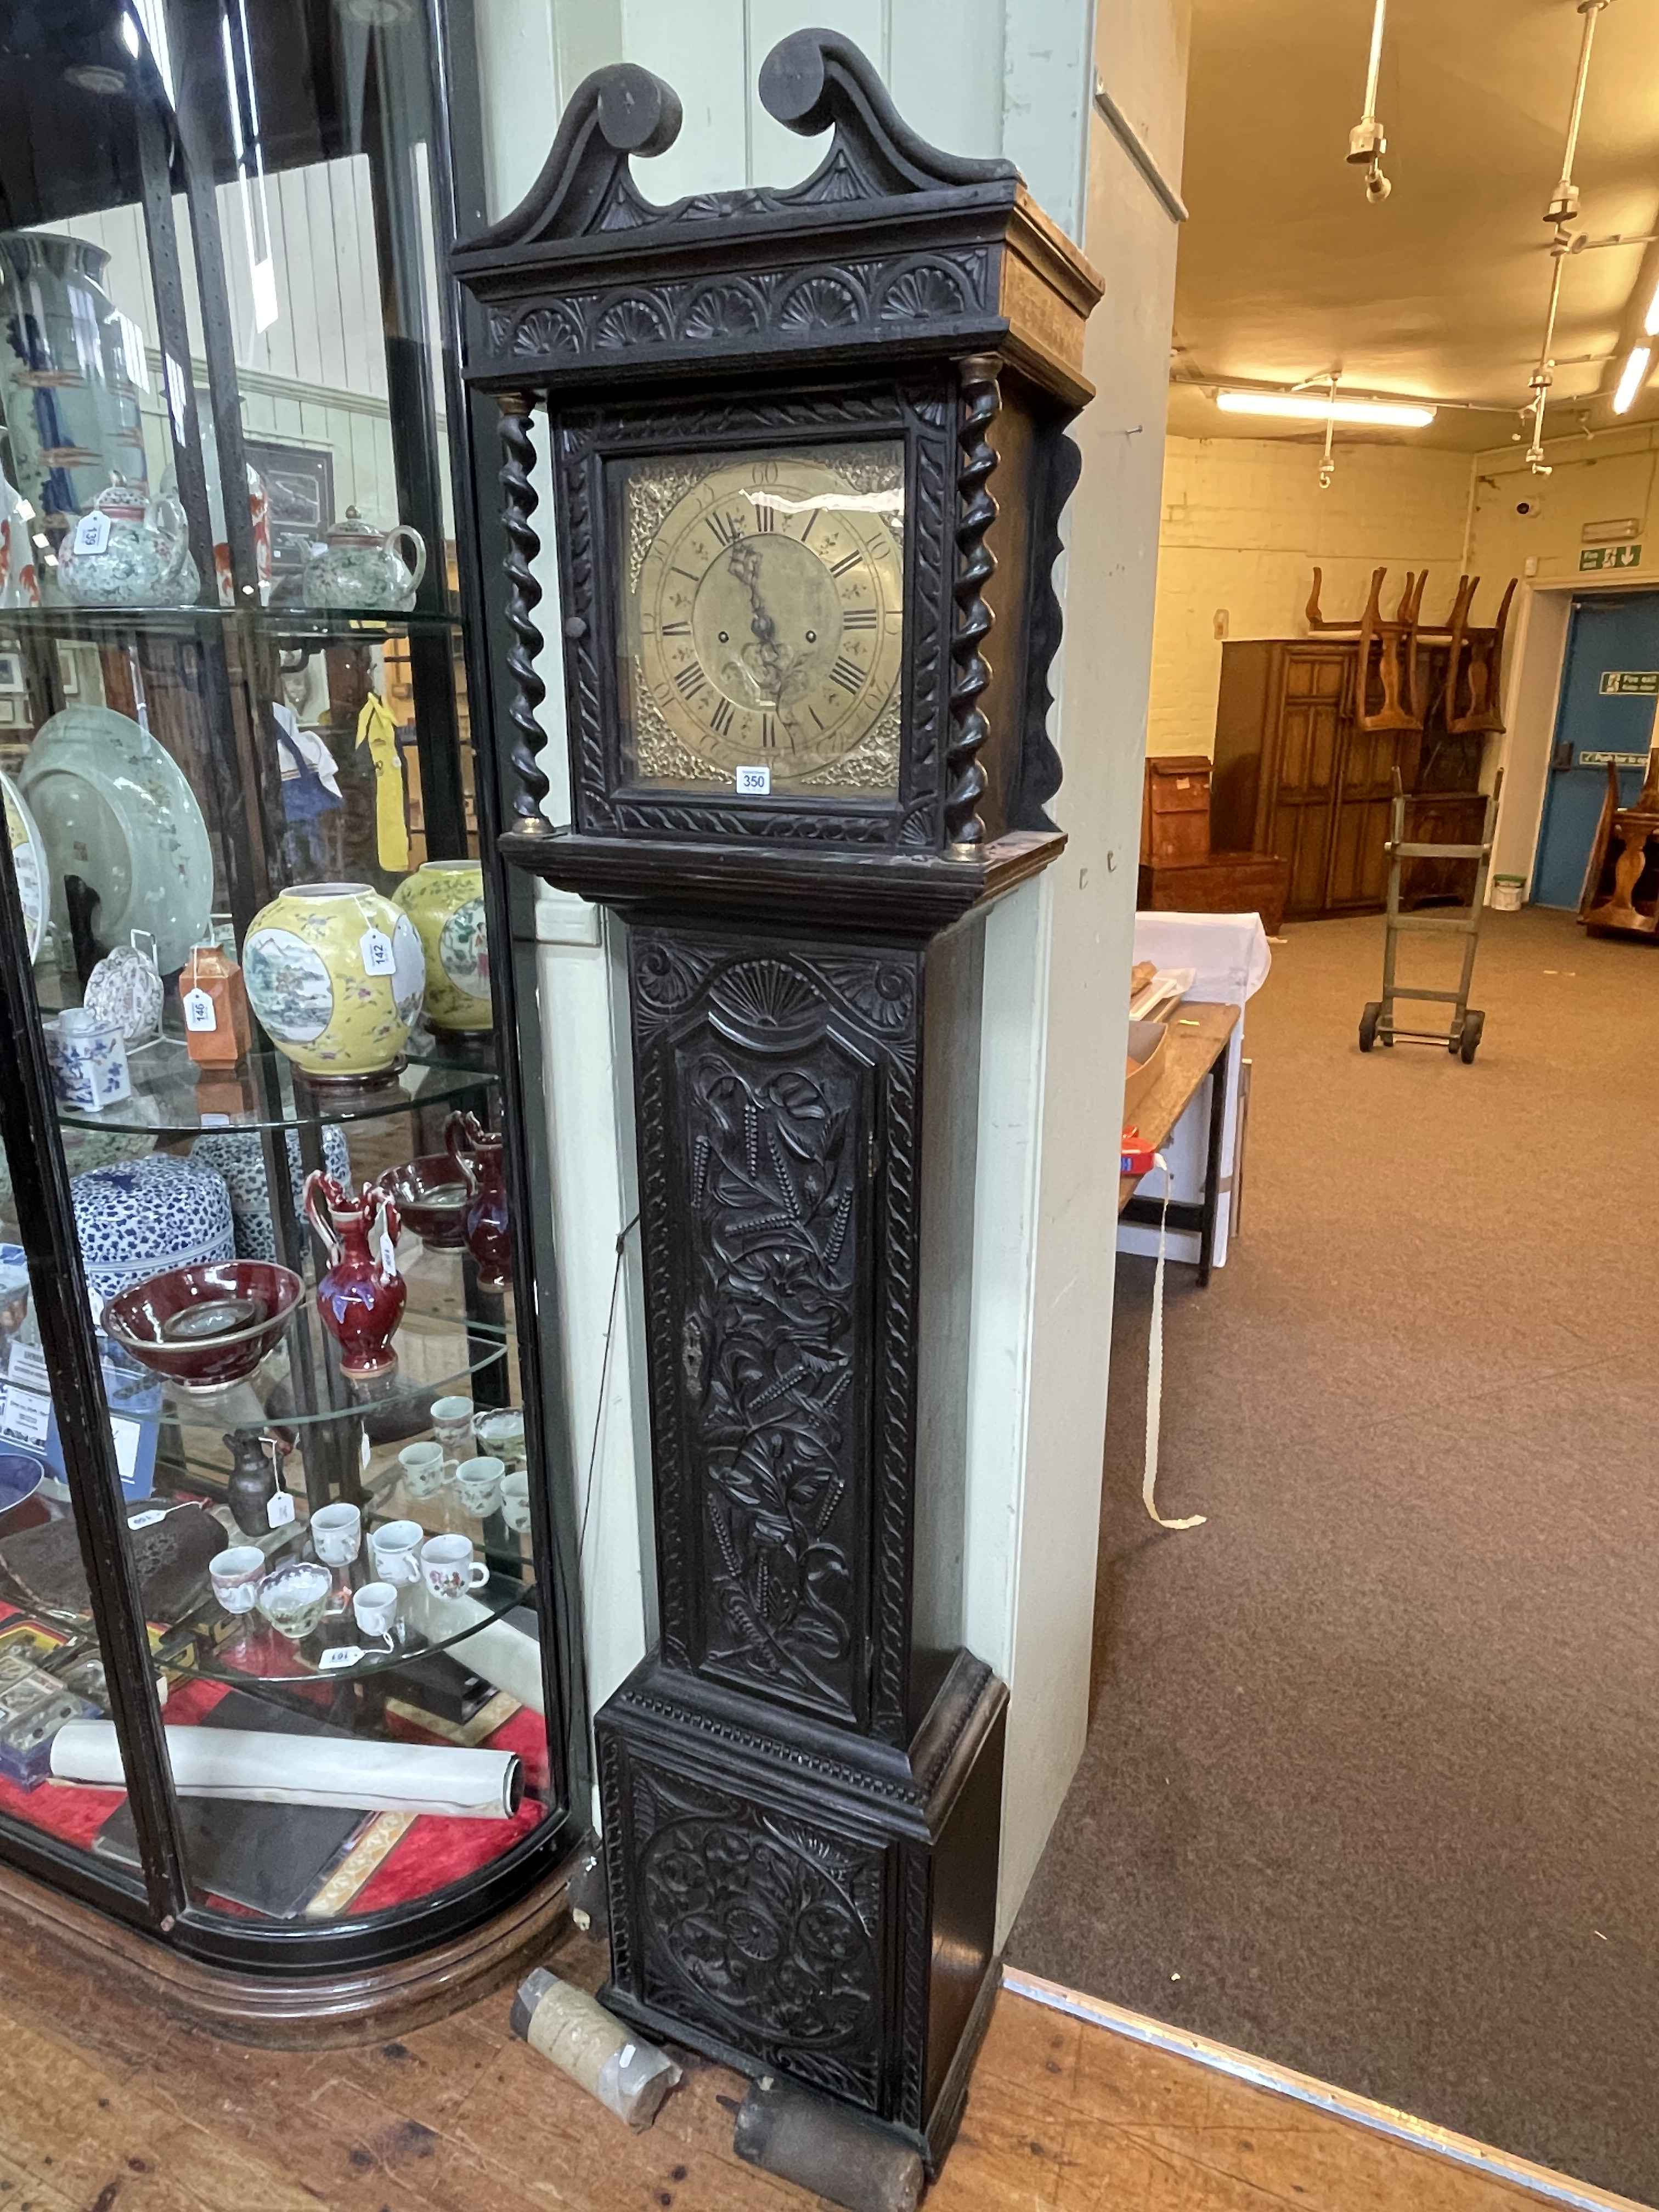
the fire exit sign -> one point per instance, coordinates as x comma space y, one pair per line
1610, 556
1630, 683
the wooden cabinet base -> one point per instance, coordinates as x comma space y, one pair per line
291, 2011
1227, 883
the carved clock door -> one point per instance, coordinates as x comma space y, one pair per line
772, 1238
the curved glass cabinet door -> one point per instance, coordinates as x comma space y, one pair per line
258, 942
55, 1660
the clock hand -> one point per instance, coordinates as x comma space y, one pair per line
773, 657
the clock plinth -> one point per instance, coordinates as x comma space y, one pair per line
808, 457
806, 1907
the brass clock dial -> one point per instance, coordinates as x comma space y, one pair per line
763, 618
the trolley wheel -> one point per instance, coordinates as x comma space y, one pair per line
1368, 1022
1470, 1043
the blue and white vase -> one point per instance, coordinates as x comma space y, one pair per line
88, 1061
235, 1154
145, 1216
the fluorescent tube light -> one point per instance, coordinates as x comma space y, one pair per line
1651, 327
1633, 376
1308, 407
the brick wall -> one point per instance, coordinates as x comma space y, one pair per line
1243, 523
1602, 480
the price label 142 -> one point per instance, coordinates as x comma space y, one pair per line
378, 958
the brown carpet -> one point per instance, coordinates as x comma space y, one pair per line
1372, 1786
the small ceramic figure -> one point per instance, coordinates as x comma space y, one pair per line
19, 582
127, 553
361, 1297
356, 565
88, 1060
258, 511
477, 1152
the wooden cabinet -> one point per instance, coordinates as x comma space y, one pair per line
1293, 776
1175, 814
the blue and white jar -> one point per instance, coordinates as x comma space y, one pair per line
88, 1060
235, 1154
143, 1217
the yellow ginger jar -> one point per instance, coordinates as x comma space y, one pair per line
444, 901
335, 974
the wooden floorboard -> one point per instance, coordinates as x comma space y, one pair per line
110, 2110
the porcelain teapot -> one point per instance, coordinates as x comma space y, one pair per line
356, 565
126, 552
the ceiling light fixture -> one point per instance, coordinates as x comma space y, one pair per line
1311, 407
1651, 320
1366, 143
1632, 377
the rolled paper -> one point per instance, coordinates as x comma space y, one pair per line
497, 1652
629, 2077
308, 1769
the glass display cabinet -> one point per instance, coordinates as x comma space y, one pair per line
282, 1679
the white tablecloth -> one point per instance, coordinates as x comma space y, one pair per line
1230, 956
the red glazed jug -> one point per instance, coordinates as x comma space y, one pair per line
361, 1298
477, 1152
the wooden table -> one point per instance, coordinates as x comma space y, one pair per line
1199, 1032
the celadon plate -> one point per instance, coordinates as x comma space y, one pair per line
113, 807
28, 861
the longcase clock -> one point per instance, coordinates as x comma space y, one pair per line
808, 456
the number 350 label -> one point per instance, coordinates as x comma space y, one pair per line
754, 783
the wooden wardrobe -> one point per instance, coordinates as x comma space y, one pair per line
1294, 776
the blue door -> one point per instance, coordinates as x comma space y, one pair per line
1609, 688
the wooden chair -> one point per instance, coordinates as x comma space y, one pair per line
1388, 685
1482, 680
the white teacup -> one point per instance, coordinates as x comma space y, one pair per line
452, 1425
236, 1576
292, 1598
515, 1501
479, 1481
450, 1570
375, 1606
394, 1548
337, 1532
423, 1467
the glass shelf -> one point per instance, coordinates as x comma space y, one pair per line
172, 1097
271, 1658
282, 624
435, 1357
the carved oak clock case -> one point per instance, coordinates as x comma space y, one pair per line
809, 458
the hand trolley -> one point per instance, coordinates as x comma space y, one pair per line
1463, 1037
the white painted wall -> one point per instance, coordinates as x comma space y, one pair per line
1013, 76
1140, 51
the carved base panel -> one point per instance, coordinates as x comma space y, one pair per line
795, 1899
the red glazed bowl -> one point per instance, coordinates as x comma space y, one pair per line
205, 1328
431, 1196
